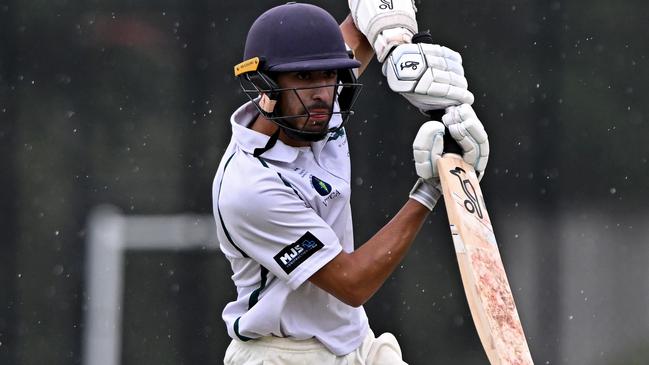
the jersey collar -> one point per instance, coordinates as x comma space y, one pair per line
248, 139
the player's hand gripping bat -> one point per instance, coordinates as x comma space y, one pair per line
485, 282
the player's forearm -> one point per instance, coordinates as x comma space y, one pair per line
381, 254
363, 51
355, 277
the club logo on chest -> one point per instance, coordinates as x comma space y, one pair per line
320, 186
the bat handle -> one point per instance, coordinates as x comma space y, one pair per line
450, 145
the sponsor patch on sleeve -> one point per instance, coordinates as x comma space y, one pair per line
296, 253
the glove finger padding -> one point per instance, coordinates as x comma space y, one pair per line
467, 130
445, 64
427, 148
429, 76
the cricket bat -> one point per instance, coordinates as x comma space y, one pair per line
483, 275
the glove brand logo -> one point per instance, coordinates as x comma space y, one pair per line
409, 64
296, 253
472, 204
320, 186
386, 4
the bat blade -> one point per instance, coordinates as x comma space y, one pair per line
483, 275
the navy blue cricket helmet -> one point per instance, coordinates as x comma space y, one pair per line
296, 37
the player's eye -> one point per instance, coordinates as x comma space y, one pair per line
331, 74
303, 75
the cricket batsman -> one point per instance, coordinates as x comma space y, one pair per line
281, 194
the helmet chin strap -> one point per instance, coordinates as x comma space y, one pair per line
271, 142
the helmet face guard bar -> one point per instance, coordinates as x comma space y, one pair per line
264, 94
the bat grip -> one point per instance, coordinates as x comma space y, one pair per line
450, 145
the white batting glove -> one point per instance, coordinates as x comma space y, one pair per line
430, 76
385, 23
467, 130
427, 148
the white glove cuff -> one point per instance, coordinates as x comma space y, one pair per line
374, 17
390, 38
425, 193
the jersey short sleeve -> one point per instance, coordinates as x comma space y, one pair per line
265, 218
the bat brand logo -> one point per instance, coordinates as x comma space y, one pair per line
409, 64
472, 204
386, 4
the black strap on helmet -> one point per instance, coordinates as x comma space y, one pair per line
271, 142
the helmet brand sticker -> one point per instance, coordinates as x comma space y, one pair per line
246, 66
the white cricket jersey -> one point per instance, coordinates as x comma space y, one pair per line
280, 217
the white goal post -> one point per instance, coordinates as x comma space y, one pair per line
110, 235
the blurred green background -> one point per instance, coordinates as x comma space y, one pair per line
127, 103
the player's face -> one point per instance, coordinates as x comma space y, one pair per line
314, 97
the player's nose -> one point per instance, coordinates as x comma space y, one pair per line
322, 90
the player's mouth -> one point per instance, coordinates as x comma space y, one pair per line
319, 115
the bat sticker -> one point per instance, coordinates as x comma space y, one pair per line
472, 204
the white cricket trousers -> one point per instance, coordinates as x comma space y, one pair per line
383, 350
